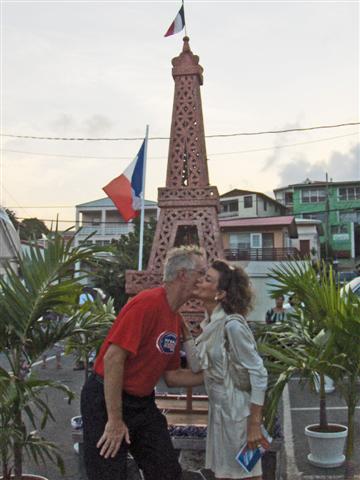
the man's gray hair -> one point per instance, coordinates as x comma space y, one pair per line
180, 258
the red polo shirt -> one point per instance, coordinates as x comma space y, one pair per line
149, 330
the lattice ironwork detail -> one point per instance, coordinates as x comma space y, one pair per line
206, 196
205, 219
136, 281
188, 205
187, 163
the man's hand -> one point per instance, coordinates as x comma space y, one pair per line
115, 432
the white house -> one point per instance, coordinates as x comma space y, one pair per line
249, 204
102, 219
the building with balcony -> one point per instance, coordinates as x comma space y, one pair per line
9, 242
336, 204
259, 239
102, 219
248, 204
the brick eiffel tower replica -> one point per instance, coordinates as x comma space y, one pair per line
188, 204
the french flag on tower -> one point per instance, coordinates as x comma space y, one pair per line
178, 24
125, 191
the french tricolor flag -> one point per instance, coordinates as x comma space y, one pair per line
178, 24
125, 190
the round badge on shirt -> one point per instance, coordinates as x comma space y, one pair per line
166, 342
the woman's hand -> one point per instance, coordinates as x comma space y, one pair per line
255, 437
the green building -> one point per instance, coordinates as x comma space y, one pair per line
336, 204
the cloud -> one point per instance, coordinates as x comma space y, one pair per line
63, 123
98, 125
280, 140
340, 167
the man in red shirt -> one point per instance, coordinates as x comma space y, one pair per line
118, 402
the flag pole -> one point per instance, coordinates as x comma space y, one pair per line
141, 241
184, 18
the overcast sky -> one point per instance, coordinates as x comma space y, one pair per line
103, 69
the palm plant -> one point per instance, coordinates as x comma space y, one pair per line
44, 282
318, 340
93, 321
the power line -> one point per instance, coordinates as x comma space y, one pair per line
346, 210
163, 157
116, 139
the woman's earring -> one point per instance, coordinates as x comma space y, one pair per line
216, 298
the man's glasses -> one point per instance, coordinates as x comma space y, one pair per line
200, 271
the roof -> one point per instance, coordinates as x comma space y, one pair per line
238, 193
318, 183
107, 202
279, 221
8, 236
311, 221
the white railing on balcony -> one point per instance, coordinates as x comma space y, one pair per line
119, 229
122, 229
88, 229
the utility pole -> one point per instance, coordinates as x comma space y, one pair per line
327, 208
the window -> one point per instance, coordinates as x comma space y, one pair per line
265, 204
289, 198
349, 193
313, 195
349, 216
240, 240
231, 206
85, 242
248, 201
335, 229
255, 240
315, 216
268, 240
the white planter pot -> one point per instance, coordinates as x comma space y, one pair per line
329, 384
28, 476
76, 422
326, 448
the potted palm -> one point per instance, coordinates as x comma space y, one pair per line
44, 281
93, 321
306, 345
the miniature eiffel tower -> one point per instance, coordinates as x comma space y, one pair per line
188, 204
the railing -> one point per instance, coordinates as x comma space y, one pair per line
109, 229
262, 254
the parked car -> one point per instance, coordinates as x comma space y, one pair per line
354, 285
344, 277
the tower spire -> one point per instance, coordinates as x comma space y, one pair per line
188, 204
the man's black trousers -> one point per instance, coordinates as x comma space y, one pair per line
150, 445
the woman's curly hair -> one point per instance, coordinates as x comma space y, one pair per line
236, 283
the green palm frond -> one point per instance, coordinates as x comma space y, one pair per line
45, 280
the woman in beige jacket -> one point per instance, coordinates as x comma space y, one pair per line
234, 374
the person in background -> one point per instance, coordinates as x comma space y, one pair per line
278, 313
117, 401
234, 374
88, 294
58, 348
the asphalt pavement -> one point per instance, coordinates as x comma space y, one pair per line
300, 408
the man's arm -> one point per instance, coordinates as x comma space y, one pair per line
115, 428
183, 378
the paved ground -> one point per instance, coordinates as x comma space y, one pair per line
300, 409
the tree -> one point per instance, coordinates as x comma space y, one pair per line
124, 256
31, 228
46, 284
12, 216
323, 338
